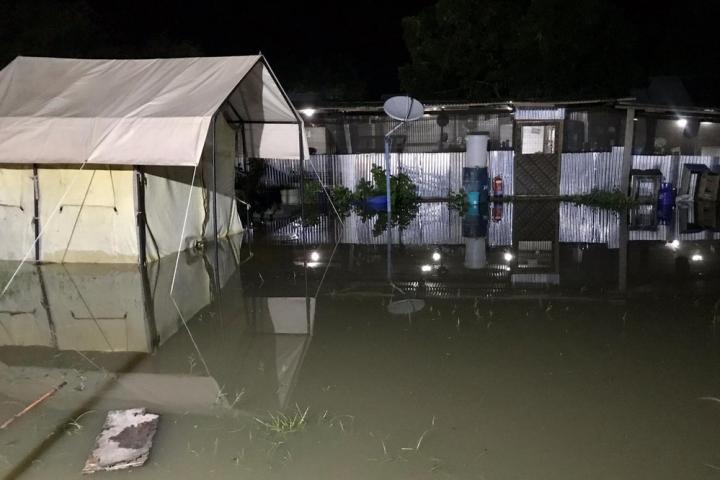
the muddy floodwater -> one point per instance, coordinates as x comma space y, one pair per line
552, 342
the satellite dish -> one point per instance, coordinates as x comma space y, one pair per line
404, 307
405, 109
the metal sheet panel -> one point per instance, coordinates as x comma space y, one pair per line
501, 163
500, 233
583, 224
539, 113
587, 171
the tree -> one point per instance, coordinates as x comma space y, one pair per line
524, 49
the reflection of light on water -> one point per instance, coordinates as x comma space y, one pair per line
508, 256
425, 268
675, 244
436, 256
314, 256
696, 258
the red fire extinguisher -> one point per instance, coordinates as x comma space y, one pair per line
497, 186
497, 212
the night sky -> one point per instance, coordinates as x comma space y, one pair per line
365, 34
316, 46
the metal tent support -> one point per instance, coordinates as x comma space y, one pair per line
214, 202
36, 211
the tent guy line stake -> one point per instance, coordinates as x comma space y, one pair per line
324, 187
34, 404
42, 230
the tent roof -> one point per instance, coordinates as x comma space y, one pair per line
136, 112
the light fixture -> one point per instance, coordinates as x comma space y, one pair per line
696, 258
425, 268
314, 256
681, 122
436, 256
508, 256
308, 112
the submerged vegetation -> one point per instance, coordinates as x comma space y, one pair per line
457, 201
285, 423
610, 200
367, 200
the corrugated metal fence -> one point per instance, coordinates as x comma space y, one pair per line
587, 171
584, 172
436, 174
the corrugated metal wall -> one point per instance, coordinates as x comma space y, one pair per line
435, 174
587, 171
583, 224
438, 173
500, 233
522, 113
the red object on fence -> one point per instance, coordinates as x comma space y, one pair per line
497, 212
497, 186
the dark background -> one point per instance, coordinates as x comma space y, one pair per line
349, 51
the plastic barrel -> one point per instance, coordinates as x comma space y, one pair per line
475, 184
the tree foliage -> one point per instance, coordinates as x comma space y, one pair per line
74, 28
504, 49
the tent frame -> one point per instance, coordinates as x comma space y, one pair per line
140, 179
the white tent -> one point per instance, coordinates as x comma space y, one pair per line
99, 157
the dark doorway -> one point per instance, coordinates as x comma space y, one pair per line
537, 158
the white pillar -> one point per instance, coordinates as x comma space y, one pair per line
475, 254
476, 149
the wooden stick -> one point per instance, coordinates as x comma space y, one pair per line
34, 404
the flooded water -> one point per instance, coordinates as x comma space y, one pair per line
548, 342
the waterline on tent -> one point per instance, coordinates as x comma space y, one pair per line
42, 230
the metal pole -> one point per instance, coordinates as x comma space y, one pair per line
387, 177
140, 217
301, 154
36, 212
215, 216
627, 150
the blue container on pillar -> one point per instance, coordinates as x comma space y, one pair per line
476, 184
475, 221
666, 195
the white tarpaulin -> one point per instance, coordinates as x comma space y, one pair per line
135, 112
83, 124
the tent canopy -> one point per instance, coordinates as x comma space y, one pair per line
138, 112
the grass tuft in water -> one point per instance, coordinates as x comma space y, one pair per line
283, 424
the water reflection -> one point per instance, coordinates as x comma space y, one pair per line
502, 345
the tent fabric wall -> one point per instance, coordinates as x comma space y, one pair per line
166, 195
17, 210
228, 218
95, 214
166, 198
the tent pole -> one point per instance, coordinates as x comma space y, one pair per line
301, 152
215, 216
140, 215
36, 211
